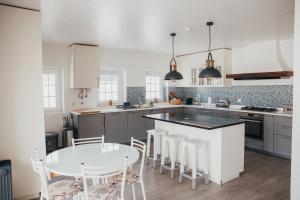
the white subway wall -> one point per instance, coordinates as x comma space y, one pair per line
22, 119
295, 177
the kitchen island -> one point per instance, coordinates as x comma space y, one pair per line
225, 137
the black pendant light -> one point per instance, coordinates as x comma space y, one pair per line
210, 71
173, 74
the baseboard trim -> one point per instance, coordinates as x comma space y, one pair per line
28, 197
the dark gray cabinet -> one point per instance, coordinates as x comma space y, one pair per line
116, 127
137, 125
88, 125
283, 136
268, 133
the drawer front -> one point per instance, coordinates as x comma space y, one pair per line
283, 126
282, 145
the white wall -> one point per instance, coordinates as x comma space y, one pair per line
266, 56
295, 177
22, 119
135, 63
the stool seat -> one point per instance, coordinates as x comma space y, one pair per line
192, 147
157, 135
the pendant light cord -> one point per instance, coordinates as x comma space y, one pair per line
173, 46
209, 37
173, 54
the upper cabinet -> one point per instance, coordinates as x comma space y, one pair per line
190, 66
85, 66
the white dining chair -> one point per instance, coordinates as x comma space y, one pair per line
61, 189
106, 187
132, 177
91, 140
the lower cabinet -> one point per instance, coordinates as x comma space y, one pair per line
116, 127
283, 136
278, 135
282, 145
137, 125
269, 134
86, 126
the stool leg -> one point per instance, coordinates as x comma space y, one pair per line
133, 191
163, 154
182, 163
148, 147
172, 158
206, 175
155, 149
194, 168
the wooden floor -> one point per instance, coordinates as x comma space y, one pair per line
265, 178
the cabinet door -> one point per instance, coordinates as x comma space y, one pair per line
283, 125
268, 133
152, 121
282, 145
85, 66
115, 127
137, 125
90, 126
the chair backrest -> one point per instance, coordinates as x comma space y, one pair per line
141, 147
92, 140
103, 175
37, 165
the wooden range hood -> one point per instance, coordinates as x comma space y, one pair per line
261, 75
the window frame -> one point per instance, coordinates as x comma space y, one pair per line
58, 88
161, 84
120, 73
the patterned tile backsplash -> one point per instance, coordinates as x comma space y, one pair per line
133, 94
262, 95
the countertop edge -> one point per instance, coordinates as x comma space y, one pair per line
194, 125
187, 106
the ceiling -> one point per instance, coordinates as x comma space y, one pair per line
146, 24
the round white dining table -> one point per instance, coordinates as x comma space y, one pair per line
68, 161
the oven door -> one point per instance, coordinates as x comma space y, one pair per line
253, 128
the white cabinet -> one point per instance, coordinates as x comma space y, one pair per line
85, 66
191, 65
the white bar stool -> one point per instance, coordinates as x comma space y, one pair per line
170, 145
157, 135
193, 146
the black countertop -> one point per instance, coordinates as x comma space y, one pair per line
208, 122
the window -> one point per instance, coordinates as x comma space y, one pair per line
153, 85
52, 91
111, 86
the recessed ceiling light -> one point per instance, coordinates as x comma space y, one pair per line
188, 29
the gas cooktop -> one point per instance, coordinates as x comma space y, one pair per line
261, 109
